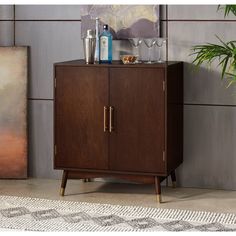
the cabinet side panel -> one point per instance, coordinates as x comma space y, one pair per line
80, 96
174, 116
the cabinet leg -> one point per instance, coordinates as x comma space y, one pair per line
63, 182
173, 178
87, 180
158, 188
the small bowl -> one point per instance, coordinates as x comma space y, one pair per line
128, 59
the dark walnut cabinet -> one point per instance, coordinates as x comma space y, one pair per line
116, 120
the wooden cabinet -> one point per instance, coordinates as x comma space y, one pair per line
117, 120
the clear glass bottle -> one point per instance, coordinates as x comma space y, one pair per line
96, 57
105, 49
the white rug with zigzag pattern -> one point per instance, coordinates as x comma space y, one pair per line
33, 214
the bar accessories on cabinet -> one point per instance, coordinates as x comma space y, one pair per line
89, 46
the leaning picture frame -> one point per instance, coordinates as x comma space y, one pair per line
13, 110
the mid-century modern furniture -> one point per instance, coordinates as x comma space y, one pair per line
118, 120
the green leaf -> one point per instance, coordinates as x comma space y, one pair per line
227, 9
224, 52
224, 67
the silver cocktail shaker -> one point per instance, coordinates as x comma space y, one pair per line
89, 46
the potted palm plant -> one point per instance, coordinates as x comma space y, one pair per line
224, 52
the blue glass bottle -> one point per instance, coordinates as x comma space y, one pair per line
105, 49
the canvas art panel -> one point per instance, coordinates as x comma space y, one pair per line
125, 21
13, 112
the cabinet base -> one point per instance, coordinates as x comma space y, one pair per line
87, 177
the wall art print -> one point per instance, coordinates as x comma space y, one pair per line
125, 21
13, 112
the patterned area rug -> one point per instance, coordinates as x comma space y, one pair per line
34, 214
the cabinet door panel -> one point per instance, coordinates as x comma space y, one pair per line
137, 142
80, 96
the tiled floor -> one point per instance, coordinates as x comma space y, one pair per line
123, 194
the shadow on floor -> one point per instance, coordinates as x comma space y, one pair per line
146, 189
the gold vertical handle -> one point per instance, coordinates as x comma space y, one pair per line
111, 116
105, 125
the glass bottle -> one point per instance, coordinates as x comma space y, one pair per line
96, 57
105, 49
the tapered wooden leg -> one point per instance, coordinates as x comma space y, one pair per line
173, 178
63, 182
158, 188
87, 180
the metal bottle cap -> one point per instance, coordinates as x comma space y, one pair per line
105, 27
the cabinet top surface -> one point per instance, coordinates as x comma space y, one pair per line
116, 64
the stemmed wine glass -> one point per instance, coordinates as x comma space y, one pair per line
159, 42
149, 43
135, 42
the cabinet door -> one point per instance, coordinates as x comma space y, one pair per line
137, 142
80, 96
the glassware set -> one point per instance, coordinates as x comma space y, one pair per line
149, 42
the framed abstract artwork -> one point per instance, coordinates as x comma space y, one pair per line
124, 21
13, 112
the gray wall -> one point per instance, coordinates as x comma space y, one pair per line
53, 33
209, 111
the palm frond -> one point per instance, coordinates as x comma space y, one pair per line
227, 9
225, 53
